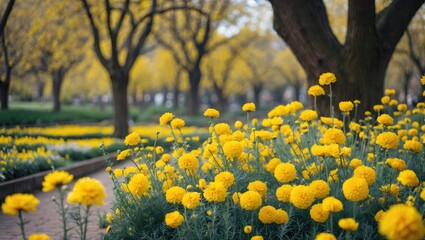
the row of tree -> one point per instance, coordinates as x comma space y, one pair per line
223, 46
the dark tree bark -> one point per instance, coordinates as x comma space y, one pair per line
257, 91
6, 15
361, 62
57, 80
120, 103
195, 80
4, 93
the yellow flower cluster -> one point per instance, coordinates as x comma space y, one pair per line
15, 203
87, 191
56, 179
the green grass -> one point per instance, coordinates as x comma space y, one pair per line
30, 113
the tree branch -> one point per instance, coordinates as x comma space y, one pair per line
6, 16
393, 20
95, 31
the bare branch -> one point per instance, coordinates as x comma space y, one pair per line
6, 16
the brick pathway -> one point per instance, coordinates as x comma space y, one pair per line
46, 219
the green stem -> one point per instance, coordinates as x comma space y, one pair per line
85, 223
21, 224
62, 211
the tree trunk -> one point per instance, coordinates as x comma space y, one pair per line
257, 91
4, 95
360, 63
407, 77
164, 99
120, 103
222, 102
40, 90
57, 80
194, 80
176, 93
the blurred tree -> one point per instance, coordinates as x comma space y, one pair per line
257, 61
188, 35
12, 47
220, 66
58, 42
290, 71
361, 61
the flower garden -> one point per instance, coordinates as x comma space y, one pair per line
291, 175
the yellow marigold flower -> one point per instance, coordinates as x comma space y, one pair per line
379, 215
402, 222
387, 140
346, 106
327, 78
385, 119
248, 107
39, 236
257, 237
247, 229
118, 172
87, 191
378, 107
318, 150
272, 164
318, 214
316, 90
385, 100
222, 129
130, 169
267, 214
285, 172
188, 161
123, 154
390, 92
308, 115
412, 145
355, 127
232, 149
325, 236
396, 163
250, 200
328, 121
166, 118
211, 113
259, 187
139, 185
393, 102
319, 188
174, 219
423, 80
132, 139
332, 150
175, 194
355, 189
226, 178
109, 217
333, 135
348, 224
408, 178
333, 176
281, 216
283, 193
19, 202
423, 194
331, 204
215, 192
177, 123
402, 107
365, 172
355, 162
191, 200
301, 196
55, 180
393, 189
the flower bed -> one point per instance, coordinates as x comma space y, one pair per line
292, 176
